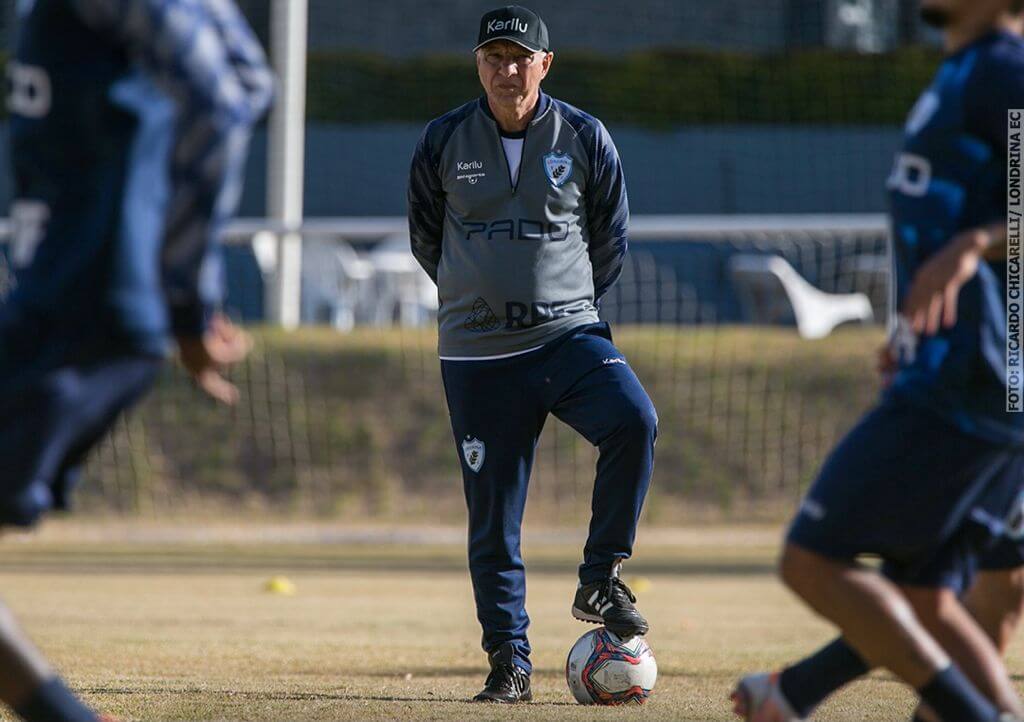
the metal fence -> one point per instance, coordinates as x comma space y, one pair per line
341, 421
734, 111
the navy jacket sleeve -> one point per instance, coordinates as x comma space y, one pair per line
607, 211
996, 87
207, 57
426, 207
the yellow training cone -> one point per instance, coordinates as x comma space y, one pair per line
639, 585
280, 585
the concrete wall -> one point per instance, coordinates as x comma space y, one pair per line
363, 170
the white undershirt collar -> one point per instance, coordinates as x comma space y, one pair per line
514, 156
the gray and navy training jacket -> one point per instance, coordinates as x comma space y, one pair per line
516, 266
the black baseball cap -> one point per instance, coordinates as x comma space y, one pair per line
516, 23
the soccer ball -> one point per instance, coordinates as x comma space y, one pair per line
603, 669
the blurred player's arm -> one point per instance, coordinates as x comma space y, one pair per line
206, 187
931, 303
206, 45
426, 208
607, 212
205, 54
991, 240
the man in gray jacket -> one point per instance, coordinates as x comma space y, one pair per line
517, 210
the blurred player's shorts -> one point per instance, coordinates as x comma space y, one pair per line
905, 485
51, 418
1007, 554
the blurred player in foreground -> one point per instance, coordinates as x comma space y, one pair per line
130, 122
517, 210
931, 480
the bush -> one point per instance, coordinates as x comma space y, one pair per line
660, 89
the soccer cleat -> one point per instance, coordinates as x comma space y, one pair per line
610, 602
507, 683
758, 698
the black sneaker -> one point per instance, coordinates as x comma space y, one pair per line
610, 602
507, 683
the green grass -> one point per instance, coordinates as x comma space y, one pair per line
356, 426
661, 89
173, 624
658, 89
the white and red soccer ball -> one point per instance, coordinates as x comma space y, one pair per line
603, 669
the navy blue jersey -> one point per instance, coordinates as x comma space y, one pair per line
950, 177
129, 127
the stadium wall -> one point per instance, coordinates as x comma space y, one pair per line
362, 170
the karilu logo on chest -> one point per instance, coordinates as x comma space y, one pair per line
470, 170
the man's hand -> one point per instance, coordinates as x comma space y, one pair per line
932, 300
205, 358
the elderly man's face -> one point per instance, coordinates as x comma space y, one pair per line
509, 71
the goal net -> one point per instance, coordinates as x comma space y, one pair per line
756, 138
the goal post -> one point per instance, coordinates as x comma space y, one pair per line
286, 156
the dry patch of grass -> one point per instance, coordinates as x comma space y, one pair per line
183, 630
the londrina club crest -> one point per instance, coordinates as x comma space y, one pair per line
473, 452
558, 168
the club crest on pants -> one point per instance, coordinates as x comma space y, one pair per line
473, 452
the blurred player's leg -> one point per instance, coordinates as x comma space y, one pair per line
48, 423
995, 600
25, 670
795, 692
138, 117
965, 640
29, 685
856, 506
870, 610
879, 622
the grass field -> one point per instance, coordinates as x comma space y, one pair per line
172, 623
350, 426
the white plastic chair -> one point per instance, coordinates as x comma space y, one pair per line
770, 288
264, 248
401, 284
336, 284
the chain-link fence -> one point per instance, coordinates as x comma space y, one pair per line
739, 109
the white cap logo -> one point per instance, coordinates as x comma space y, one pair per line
515, 25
